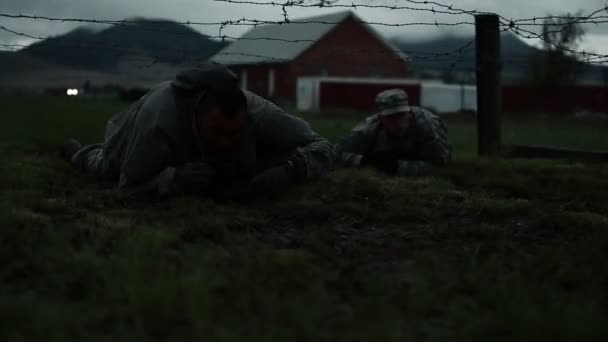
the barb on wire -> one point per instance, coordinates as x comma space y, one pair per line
225, 37
566, 21
117, 46
353, 6
445, 9
448, 9
581, 56
582, 18
284, 10
240, 22
444, 6
595, 20
188, 55
25, 35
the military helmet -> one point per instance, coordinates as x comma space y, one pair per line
393, 101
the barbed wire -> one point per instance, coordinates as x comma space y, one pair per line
224, 24
585, 55
132, 22
25, 35
515, 29
516, 26
591, 19
455, 55
564, 21
447, 9
190, 54
79, 44
353, 6
444, 6
592, 15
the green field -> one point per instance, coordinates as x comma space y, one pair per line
485, 249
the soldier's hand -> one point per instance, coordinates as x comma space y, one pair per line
357, 160
383, 162
271, 182
194, 177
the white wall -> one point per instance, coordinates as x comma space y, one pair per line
304, 96
448, 98
308, 96
443, 98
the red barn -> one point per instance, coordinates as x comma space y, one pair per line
269, 59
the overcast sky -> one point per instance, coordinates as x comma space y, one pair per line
213, 11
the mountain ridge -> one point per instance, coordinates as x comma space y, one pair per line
134, 49
160, 40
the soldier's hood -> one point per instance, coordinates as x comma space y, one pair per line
195, 81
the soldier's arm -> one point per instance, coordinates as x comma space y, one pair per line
352, 148
146, 167
436, 149
313, 156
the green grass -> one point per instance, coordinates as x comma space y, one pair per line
47, 121
557, 132
486, 249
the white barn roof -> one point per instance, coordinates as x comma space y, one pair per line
275, 43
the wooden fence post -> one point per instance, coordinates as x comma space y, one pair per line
488, 84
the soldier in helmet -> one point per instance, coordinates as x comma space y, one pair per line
399, 139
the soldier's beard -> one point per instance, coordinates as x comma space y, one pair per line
222, 149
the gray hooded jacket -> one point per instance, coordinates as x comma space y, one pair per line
145, 143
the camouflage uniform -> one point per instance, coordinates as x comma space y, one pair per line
425, 144
144, 144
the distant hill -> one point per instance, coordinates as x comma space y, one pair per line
19, 70
157, 41
514, 52
12, 63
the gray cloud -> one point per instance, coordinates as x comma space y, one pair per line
212, 11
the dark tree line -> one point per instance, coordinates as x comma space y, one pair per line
556, 64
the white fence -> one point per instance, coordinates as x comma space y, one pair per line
448, 98
438, 96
